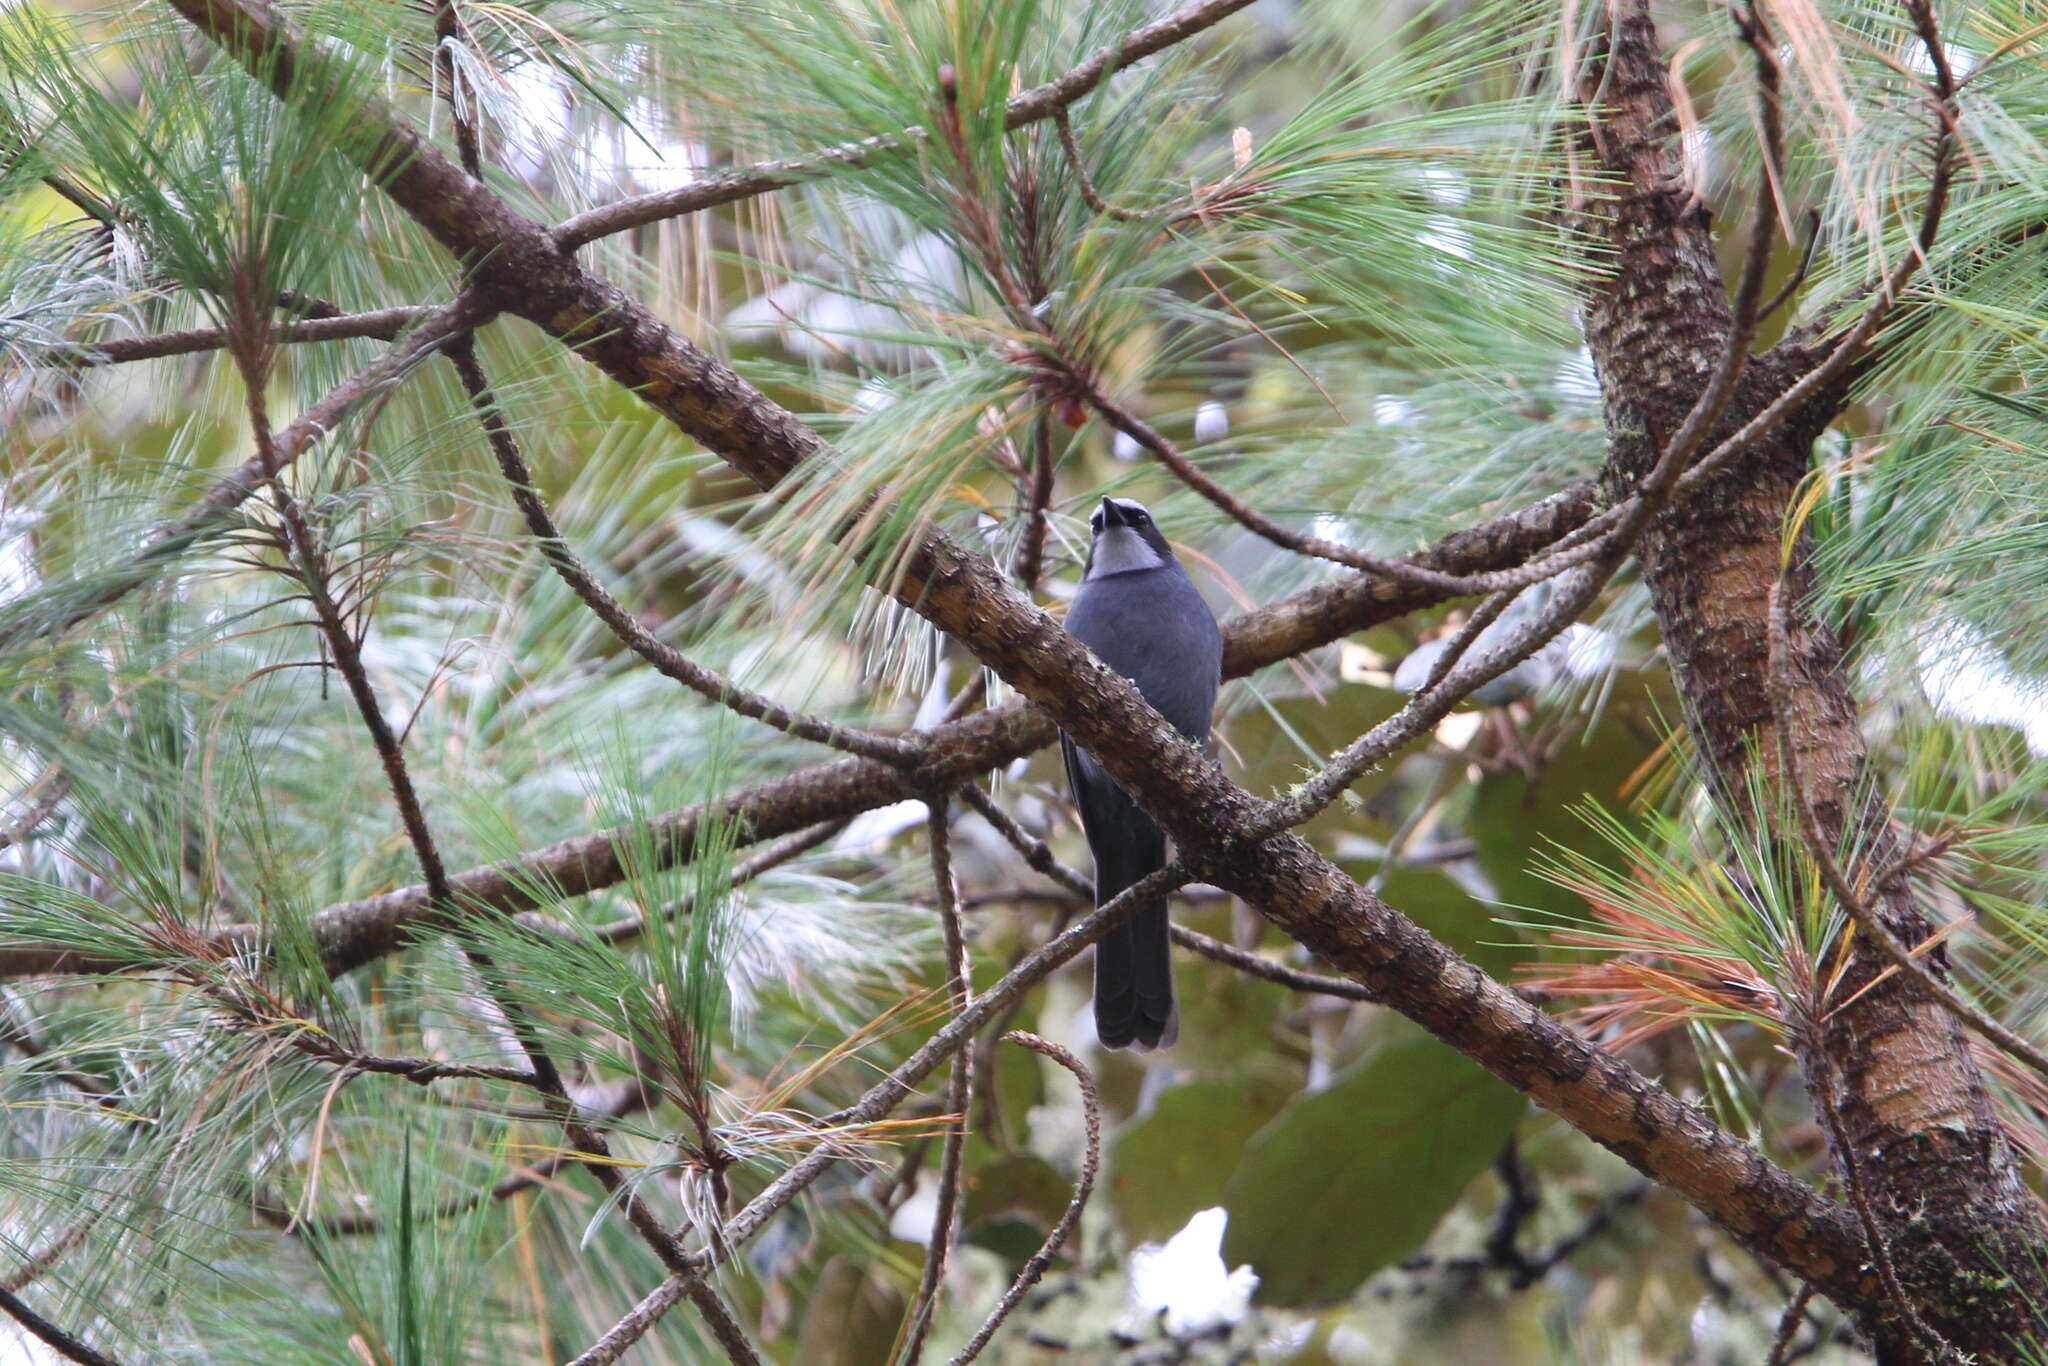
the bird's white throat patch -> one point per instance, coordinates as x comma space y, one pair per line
1119, 550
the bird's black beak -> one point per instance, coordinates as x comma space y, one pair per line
1112, 515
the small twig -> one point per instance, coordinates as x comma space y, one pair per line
637, 1321
1518, 1202
1791, 286
1866, 918
1063, 1228
59, 1341
1425, 709
1483, 616
1873, 1232
18, 1032
1030, 562
19, 142
384, 324
1788, 1326
1603, 1215
448, 29
666, 659
1089, 194
959, 1087
718, 1317
56, 784
1038, 855
38, 1263
1256, 965
424, 1071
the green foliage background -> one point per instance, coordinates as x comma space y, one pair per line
1369, 280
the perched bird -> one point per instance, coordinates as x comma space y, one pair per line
1139, 611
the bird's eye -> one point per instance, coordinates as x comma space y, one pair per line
1139, 519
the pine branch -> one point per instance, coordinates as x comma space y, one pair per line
58, 1341
1040, 102
385, 324
1211, 821
51, 612
353, 933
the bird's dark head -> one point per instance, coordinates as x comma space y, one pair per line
1126, 539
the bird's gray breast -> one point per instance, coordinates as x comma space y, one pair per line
1153, 628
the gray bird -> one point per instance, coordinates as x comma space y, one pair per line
1140, 613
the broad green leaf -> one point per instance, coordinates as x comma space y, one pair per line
1516, 821
1021, 1184
850, 1318
1177, 1159
1353, 1177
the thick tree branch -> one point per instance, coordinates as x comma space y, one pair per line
1209, 818
1657, 317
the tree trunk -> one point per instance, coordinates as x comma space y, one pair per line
1934, 1163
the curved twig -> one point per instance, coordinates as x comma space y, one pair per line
1788, 1325
1873, 1232
1062, 1228
383, 323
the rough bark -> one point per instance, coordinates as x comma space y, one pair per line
1937, 1167
516, 266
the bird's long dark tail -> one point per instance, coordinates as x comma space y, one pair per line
1134, 969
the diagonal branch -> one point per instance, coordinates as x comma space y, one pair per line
353, 933
1211, 821
58, 1341
959, 991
